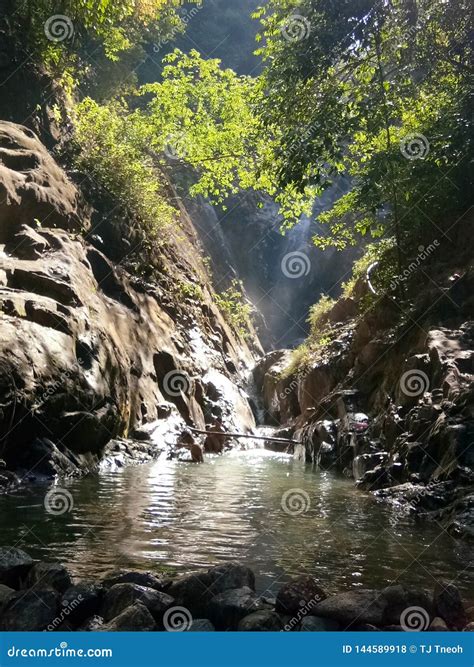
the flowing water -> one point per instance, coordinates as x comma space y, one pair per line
180, 517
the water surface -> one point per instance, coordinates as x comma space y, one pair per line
180, 517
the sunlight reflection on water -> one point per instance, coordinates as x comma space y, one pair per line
182, 517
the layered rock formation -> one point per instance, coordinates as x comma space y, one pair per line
88, 351
390, 401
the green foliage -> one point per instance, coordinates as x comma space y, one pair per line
358, 95
382, 253
90, 36
111, 148
207, 117
318, 313
187, 290
236, 311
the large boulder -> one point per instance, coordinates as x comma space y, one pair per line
195, 591
403, 603
121, 596
449, 605
14, 566
317, 624
49, 575
300, 594
261, 621
227, 609
80, 602
135, 618
147, 579
31, 611
353, 607
6, 594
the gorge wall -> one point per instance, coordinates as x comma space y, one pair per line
89, 351
389, 399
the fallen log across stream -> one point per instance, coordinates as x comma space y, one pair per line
246, 435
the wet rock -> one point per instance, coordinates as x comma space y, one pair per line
6, 593
14, 566
201, 625
30, 611
8, 481
365, 462
261, 621
49, 575
121, 596
470, 613
375, 479
317, 624
196, 590
147, 579
353, 607
227, 609
93, 624
450, 607
398, 599
300, 594
438, 625
135, 618
46, 460
81, 601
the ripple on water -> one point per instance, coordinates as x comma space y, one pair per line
184, 516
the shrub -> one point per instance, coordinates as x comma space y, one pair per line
235, 310
110, 148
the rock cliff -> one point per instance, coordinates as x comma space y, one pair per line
88, 351
389, 400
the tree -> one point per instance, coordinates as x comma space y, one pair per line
75, 38
378, 91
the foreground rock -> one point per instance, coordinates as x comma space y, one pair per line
195, 591
222, 598
299, 594
135, 618
121, 596
30, 611
14, 565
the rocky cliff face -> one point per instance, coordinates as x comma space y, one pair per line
88, 351
390, 401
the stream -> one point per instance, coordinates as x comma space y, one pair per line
180, 517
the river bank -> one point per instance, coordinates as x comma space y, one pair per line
37, 596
